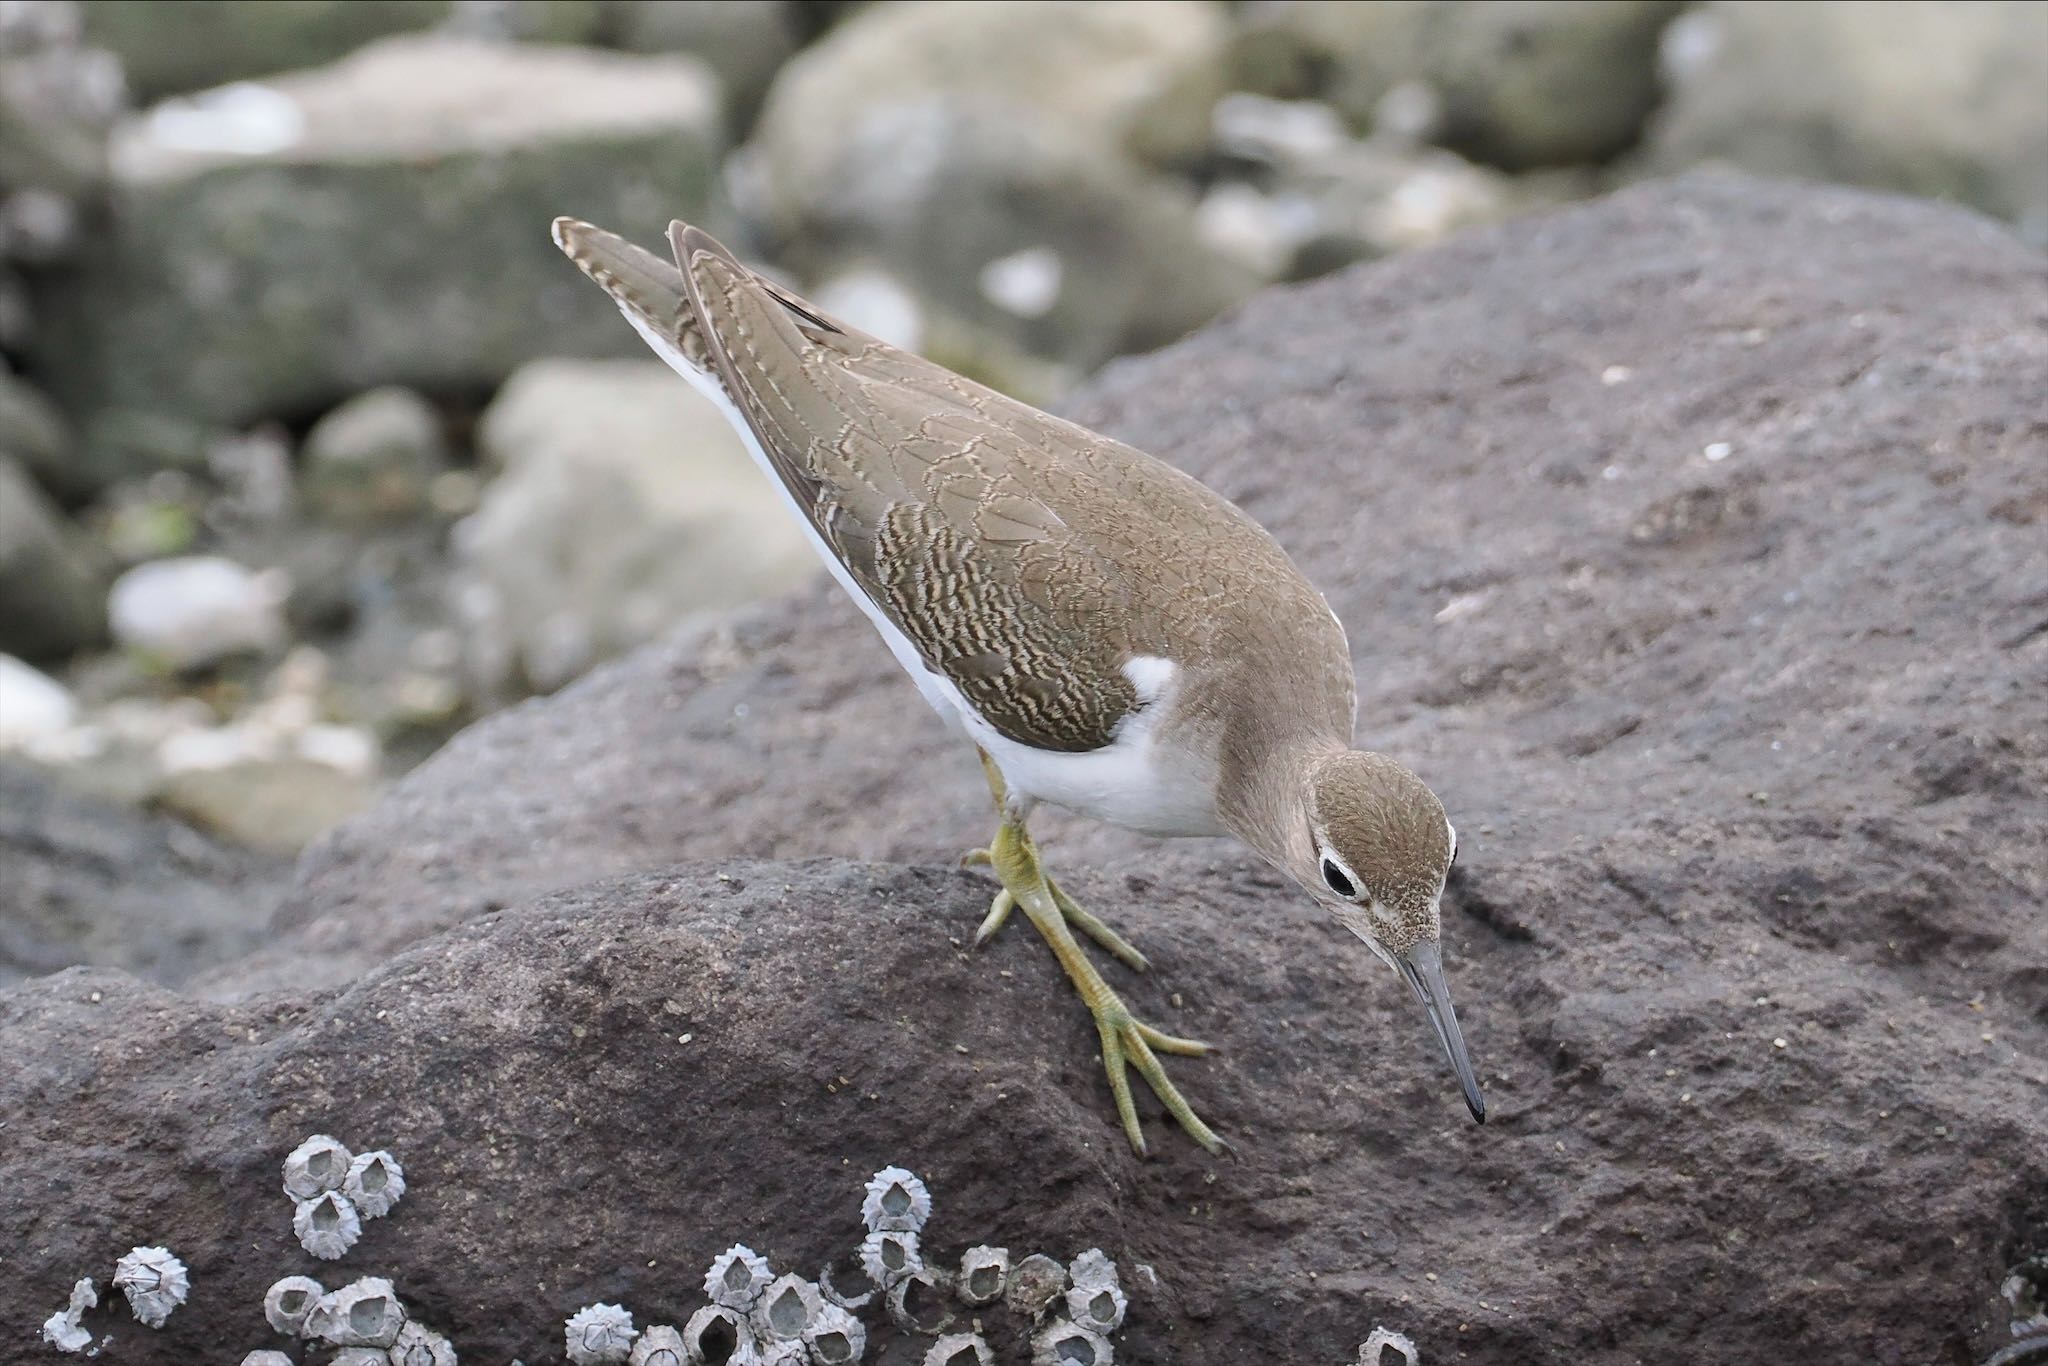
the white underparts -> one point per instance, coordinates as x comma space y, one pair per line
1132, 781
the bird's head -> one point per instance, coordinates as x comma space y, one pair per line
1378, 850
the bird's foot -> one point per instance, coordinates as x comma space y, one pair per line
1128, 1042
1086, 922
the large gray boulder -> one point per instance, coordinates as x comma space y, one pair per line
622, 504
1548, 83
381, 220
1941, 99
1725, 665
937, 142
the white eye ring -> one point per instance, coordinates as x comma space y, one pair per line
1338, 878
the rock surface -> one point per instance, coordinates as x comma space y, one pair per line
381, 220
86, 881
170, 48
1946, 100
623, 504
1690, 544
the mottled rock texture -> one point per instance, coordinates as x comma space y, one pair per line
1691, 546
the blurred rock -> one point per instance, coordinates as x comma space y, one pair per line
374, 458
1942, 99
57, 100
624, 505
275, 248
1541, 83
934, 140
52, 595
88, 881
275, 803
32, 431
34, 707
744, 41
184, 45
190, 612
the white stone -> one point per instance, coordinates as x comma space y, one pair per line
34, 708
197, 610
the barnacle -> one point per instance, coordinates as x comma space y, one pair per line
1069, 1344
737, 1277
327, 1224
599, 1335
917, 1304
983, 1273
374, 1183
896, 1200
785, 1309
317, 1165
890, 1255
1035, 1283
1373, 1350
835, 1337
1099, 1308
659, 1345
847, 1283
960, 1349
417, 1346
154, 1282
61, 1330
291, 1301
715, 1333
363, 1313
360, 1356
266, 1356
784, 1354
1093, 1268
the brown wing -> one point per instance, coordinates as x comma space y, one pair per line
931, 490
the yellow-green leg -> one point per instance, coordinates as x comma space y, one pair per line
1126, 1041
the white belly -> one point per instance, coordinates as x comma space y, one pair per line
1133, 781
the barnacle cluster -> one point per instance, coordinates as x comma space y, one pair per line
760, 1315
364, 1321
334, 1190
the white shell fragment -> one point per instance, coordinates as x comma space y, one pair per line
737, 1277
374, 1183
599, 1335
785, 1310
317, 1165
660, 1345
327, 1224
836, 1337
960, 1349
889, 1255
154, 1282
1035, 1283
418, 1346
1069, 1344
1372, 1352
61, 1330
363, 1313
917, 1304
290, 1302
896, 1201
267, 1356
784, 1354
984, 1271
360, 1356
1098, 1308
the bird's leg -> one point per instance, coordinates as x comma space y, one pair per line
1126, 1041
999, 909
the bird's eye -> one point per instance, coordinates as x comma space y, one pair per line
1339, 883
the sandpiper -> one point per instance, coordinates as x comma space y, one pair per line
1113, 636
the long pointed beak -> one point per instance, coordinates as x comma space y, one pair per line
1422, 967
